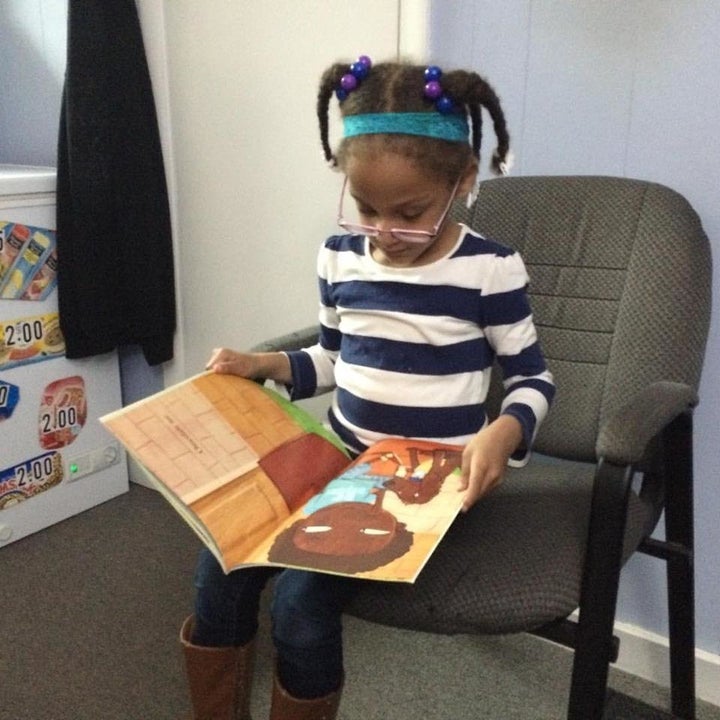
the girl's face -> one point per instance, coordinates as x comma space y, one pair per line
391, 191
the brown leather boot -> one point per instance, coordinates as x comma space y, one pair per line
219, 678
285, 707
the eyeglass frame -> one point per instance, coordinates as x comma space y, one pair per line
403, 234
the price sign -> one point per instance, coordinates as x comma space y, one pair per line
29, 478
9, 398
30, 339
63, 411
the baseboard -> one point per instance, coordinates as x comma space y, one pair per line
645, 654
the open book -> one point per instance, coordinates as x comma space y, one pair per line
262, 482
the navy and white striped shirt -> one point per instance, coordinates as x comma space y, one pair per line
409, 350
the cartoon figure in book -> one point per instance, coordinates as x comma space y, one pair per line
348, 537
419, 482
355, 534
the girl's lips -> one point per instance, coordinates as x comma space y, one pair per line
393, 249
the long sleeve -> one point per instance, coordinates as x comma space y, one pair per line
410, 351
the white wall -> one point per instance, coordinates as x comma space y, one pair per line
254, 196
32, 67
629, 89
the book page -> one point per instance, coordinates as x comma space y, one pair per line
202, 434
380, 519
233, 458
262, 482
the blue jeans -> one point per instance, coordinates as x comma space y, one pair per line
306, 619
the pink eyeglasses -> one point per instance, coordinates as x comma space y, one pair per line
403, 234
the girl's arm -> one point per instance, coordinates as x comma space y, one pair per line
529, 386
510, 330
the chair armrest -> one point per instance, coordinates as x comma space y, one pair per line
292, 341
625, 435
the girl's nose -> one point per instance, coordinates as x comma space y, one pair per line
385, 236
384, 227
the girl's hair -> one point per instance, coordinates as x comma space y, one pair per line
398, 87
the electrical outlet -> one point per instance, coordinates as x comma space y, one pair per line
92, 462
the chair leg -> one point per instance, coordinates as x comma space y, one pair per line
681, 618
680, 565
594, 648
591, 665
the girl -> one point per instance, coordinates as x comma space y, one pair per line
414, 309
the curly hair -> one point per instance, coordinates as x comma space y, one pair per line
398, 87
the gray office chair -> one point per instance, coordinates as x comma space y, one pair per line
620, 287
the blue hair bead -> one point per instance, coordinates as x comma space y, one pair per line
444, 105
349, 81
359, 70
433, 90
432, 73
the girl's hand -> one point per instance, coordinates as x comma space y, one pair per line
270, 366
485, 458
230, 362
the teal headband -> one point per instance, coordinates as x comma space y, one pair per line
450, 127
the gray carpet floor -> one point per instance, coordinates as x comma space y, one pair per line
91, 609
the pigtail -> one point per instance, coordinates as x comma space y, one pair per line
501, 157
328, 83
475, 93
476, 124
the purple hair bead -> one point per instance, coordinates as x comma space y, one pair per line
348, 82
358, 72
433, 90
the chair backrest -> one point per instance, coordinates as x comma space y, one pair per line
620, 287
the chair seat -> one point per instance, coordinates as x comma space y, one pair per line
539, 518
